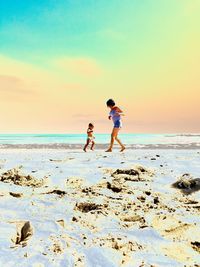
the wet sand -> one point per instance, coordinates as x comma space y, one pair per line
70, 208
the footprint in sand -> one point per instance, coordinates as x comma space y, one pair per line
172, 228
119, 243
24, 233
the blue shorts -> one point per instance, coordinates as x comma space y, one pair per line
117, 124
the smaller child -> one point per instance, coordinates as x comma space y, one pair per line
90, 137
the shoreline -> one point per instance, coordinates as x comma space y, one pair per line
63, 146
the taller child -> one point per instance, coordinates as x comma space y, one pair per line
115, 114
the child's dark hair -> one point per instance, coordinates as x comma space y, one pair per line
110, 103
91, 125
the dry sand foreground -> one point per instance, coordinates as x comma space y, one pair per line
68, 208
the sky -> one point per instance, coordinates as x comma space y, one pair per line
60, 60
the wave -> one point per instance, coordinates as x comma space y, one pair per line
99, 146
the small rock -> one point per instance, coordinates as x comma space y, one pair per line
128, 172
134, 218
16, 194
187, 184
196, 246
58, 192
155, 200
141, 198
74, 219
114, 187
87, 207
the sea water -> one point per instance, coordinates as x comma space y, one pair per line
129, 139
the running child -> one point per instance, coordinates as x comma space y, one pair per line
115, 114
90, 137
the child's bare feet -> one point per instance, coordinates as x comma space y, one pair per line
109, 150
84, 149
122, 149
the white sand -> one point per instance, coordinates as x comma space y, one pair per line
128, 228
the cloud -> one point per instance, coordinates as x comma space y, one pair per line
75, 87
12, 84
15, 90
9, 79
81, 66
21, 77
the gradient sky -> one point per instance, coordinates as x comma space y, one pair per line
60, 60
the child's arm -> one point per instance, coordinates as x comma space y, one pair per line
119, 112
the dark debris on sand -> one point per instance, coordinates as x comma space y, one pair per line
137, 174
196, 246
16, 177
57, 192
87, 207
17, 195
128, 172
115, 187
187, 184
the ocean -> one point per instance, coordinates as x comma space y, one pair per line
136, 140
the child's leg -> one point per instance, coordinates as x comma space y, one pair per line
120, 143
113, 136
86, 145
92, 146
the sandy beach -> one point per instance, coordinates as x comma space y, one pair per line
69, 208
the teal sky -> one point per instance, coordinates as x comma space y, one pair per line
56, 27
35, 29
